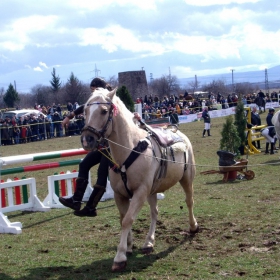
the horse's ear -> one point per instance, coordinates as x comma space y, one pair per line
112, 93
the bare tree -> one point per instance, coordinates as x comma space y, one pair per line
193, 85
27, 100
216, 86
113, 81
2, 91
41, 95
244, 88
165, 86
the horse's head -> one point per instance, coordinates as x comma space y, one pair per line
98, 111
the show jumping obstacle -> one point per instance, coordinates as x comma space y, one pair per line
20, 194
11, 193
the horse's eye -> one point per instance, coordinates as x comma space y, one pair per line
104, 112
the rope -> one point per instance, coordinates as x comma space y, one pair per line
197, 165
109, 157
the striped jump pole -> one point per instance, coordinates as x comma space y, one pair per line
37, 167
41, 156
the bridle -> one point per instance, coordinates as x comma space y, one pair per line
100, 133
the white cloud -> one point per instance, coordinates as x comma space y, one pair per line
115, 38
20, 33
88, 4
38, 69
43, 65
218, 2
3, 58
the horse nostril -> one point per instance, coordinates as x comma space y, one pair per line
89, 139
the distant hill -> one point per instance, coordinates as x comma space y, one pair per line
253, 77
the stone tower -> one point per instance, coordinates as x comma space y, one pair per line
135, 82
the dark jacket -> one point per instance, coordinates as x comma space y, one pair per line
206, 116
255, 119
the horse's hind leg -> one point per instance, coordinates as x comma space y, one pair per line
188, 188
150, 238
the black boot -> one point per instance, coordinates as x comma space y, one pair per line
74, 202
208, 131
90, 209
271, 148
203, 134
266, 148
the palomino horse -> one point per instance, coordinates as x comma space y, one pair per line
139, 180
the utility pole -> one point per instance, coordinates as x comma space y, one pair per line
151, 77
266, 82
232, 81
15, 85
96, 71
195, 82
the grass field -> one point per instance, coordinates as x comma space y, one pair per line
239, 225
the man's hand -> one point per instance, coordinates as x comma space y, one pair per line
137, 116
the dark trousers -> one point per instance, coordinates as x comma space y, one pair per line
91, 159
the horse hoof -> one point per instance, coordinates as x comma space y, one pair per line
118, 266
147, 251
194, 231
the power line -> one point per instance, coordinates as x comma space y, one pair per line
96, 71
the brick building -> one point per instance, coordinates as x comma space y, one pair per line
135, 82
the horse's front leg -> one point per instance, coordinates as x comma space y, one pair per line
125, 244
150, 238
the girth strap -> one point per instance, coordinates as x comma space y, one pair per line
141, 147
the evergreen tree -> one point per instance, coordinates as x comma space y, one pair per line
126, 98
230, 140
240, 121
74, 89
55, 82
11, 97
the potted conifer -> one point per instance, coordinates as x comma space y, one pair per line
229, 146
241, 124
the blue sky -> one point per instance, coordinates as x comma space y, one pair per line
181, 37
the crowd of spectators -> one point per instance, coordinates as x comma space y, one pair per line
46, 124
154, 107
38, 127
